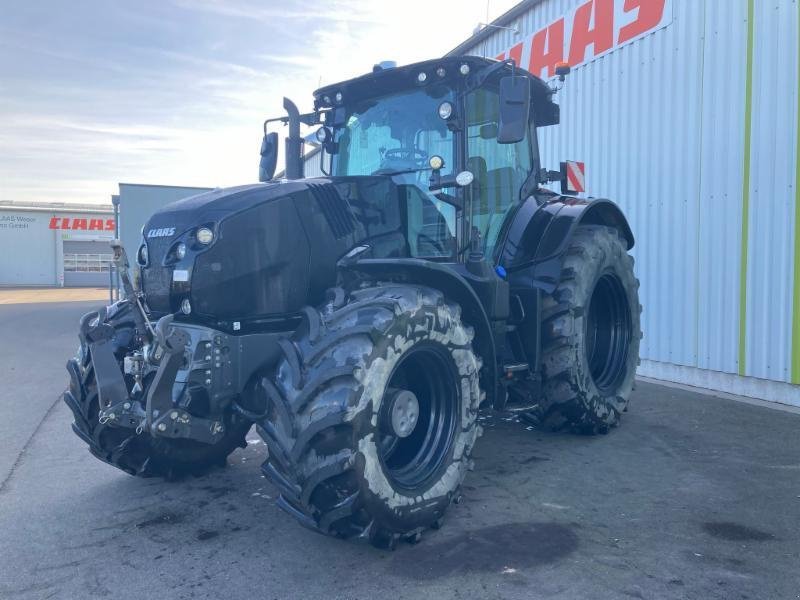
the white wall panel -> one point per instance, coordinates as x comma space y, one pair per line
660, 123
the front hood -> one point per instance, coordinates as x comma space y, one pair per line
210, 207
274, 248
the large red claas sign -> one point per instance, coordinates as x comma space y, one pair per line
80, 224
592, 29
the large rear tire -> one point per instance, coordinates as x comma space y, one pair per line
140, 455
590, 335
370, 419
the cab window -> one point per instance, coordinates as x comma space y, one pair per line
499, 169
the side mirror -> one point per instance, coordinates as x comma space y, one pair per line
515, 109
269, 157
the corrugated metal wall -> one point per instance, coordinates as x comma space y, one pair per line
663, 124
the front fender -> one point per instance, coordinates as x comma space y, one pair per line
540, 233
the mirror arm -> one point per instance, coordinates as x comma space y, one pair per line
479, 78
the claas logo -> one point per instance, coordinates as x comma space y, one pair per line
82, 224
588, 31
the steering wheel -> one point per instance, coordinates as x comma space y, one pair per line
415, 155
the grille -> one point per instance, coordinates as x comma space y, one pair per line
335, 208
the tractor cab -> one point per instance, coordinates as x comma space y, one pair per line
456, 135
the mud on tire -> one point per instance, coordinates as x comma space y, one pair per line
325, 420
140, 455
590, 335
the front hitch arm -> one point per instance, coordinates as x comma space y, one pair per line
173, 342
162, 417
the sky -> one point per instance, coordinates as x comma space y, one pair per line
93, 93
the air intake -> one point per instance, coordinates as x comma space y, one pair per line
335, 208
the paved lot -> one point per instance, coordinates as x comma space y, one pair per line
693, 497
16, 295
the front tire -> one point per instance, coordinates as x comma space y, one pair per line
346, 449
590, 335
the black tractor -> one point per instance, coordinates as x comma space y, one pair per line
361, 319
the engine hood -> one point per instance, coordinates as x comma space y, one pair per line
274, 248
211, 207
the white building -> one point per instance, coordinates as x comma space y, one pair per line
55, 244
67, 245
686, 113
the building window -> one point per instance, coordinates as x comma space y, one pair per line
87, 263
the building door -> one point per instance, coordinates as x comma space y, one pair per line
86, 263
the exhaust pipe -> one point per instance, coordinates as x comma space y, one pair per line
294, 143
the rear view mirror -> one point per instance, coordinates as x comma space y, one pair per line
269, 157
515, 108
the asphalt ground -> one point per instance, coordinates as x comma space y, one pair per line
692, 497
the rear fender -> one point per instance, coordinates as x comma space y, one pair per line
452, 285
540, 234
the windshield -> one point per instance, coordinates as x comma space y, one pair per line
395, 134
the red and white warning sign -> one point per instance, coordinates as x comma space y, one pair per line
573, 177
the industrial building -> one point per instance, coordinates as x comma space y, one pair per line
686, 114
55, 244
67, 245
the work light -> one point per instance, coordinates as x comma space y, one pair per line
436, 162
445, 110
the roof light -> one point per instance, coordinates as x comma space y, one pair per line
464, 69
422, 77
338, 96
441, 72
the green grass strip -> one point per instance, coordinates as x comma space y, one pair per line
748, 138
796, 295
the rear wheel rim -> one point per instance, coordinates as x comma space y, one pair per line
608, 333
414, 462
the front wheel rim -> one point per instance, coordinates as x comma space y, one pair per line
608, 333
414, 462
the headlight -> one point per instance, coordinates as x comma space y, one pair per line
142, 256
180, 251
204, 235
445, 110
186, 307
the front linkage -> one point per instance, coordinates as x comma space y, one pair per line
122, 383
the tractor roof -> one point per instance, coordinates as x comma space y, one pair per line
384, 81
